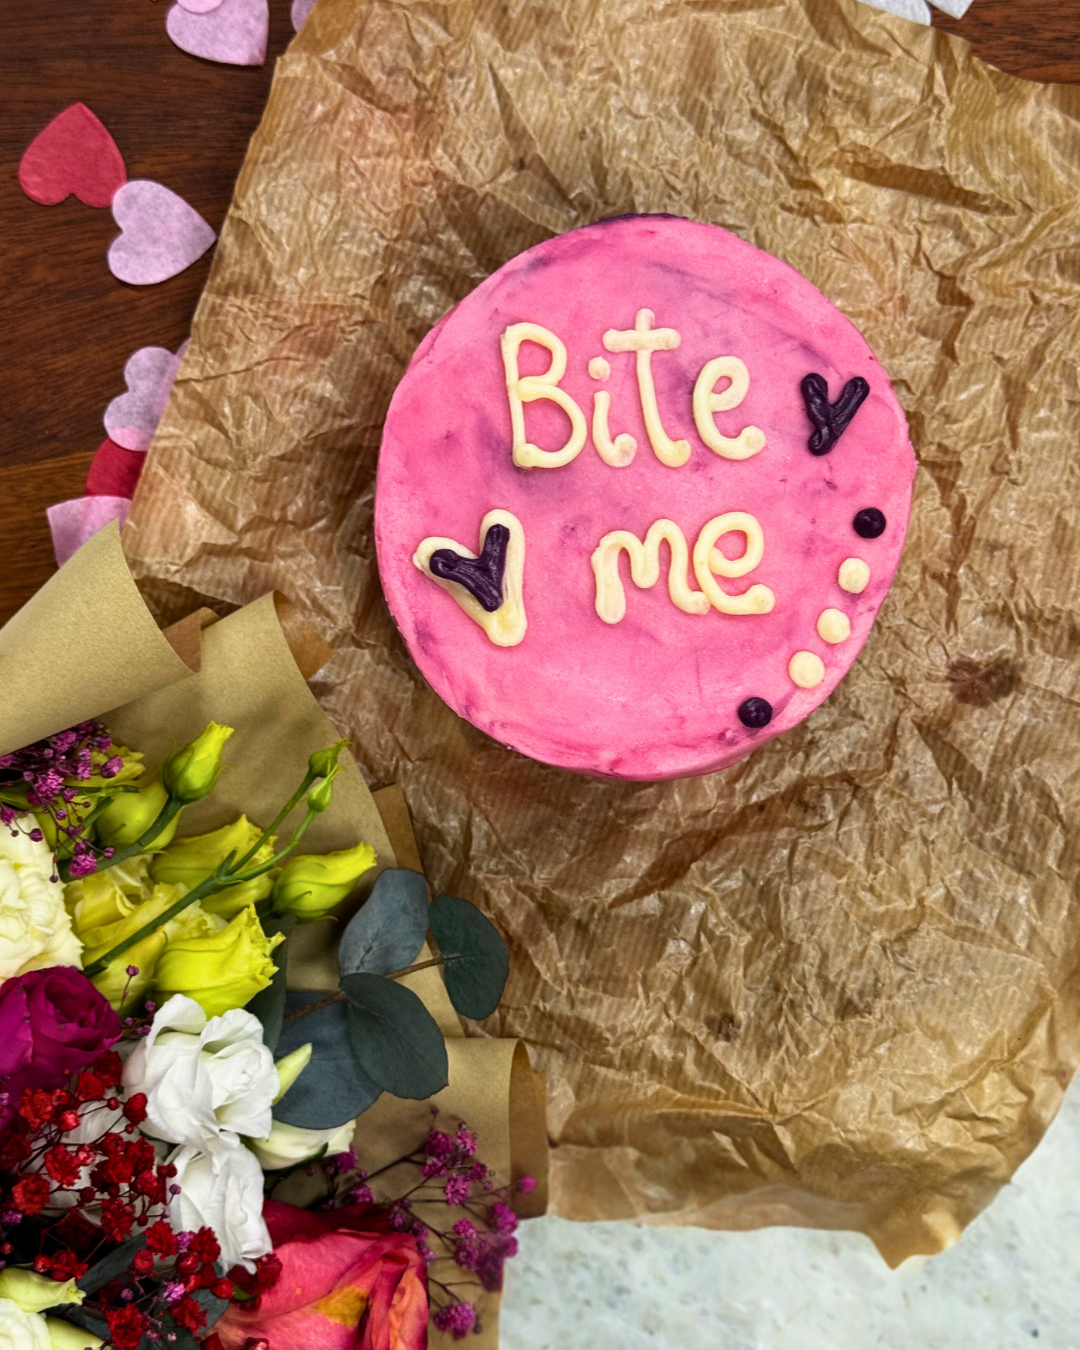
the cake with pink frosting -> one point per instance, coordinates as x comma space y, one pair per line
640, 497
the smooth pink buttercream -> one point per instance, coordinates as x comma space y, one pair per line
656, 695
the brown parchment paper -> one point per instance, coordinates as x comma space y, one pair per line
837, 985
248, 671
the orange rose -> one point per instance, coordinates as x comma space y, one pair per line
346, 1283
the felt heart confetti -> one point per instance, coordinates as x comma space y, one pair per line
114, 471
235, 32
300, 10
161, 234
73, 154
131, 419
199, 6
72, 523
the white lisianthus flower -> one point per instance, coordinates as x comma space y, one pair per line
22, 1330
35, 928
207, 1080
225, 1193
287, 1145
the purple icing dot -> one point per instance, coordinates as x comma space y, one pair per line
869, 523
755, 713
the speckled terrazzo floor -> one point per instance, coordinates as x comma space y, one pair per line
1013, 1280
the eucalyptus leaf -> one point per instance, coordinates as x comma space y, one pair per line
115, 1263
475, 960
394, 1037
333, 1088
268, 1005
213, 1306
388, 932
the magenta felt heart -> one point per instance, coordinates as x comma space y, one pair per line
74, 153
234, 33
161, 234
131, 419
114, 471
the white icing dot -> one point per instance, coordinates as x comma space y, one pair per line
806, 670
853, 576
599, 369
833, 626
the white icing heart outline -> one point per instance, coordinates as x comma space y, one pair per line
506, 625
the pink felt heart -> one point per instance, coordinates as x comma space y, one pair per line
72, 523
74, 153
234, 33
199, 6
131, 419
114, 471
300, 10
161, 234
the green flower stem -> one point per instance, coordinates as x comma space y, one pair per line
206, 887
169, 812
221, 879
293, 801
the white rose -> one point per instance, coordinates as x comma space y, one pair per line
206, 1080
225, 1193
21, 1330
35, 928
287, 1145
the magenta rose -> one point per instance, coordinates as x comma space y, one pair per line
52, 1024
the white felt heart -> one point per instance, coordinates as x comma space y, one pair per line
131, 419
235, 32
161, 234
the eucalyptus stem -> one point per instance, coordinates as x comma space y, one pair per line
339, 997
167, 815
290, 805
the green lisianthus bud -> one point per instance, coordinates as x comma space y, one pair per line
189, 774
33, 1292
322, 762
310, 885
290, 1068
222, 970
187, 862
64, 1336
129, 815
318, 799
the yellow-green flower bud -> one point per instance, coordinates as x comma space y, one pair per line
189, 774
323, 761
64, 1336
131, 767
318, 799
310, 885
187, 862
33, 1292
290, 1068
129, 815
220, 971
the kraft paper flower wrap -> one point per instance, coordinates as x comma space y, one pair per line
88, 636
838, 984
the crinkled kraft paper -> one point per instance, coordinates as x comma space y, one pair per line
838, 984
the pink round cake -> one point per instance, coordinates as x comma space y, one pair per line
640, 497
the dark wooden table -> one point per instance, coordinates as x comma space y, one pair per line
67, 326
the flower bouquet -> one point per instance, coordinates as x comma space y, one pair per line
191, 1152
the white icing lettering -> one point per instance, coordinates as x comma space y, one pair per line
707, 560
506, 625
522, 389
599, 369
643, 340
618, 452
706, 403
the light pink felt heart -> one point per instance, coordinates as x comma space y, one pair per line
300, 10
72, 523
131, 419
199, 6
161, 234
234, 33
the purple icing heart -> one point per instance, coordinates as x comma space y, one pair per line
482, 577
235, 32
